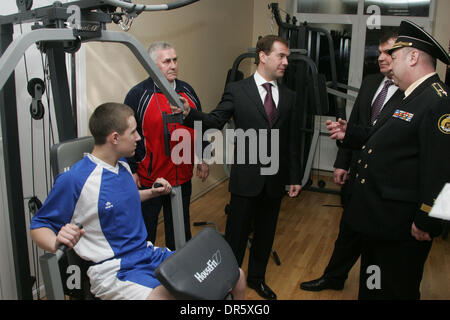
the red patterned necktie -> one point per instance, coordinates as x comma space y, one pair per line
379, 100
269, 104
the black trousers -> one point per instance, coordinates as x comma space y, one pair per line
261, 214
347, 249
348, 245
152, 207
397, 266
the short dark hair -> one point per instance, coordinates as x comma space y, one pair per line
388, 35
108, 118
265, 44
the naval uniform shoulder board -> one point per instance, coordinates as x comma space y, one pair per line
439, 90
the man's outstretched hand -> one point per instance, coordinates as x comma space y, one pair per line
186, 106
337, 129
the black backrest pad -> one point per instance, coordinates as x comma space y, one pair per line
204, 269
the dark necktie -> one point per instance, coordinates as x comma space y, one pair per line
269, 104
379, 100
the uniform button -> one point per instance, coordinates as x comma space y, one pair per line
365, 166
363, 147
363, 181
357, 175
359, 161
370, 151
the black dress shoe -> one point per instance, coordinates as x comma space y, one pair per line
321, 284
262, 289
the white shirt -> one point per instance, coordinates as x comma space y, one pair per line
391, 90
262, 91
417, 83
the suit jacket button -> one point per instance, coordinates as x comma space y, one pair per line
365, 166
363, 181
357, 175
370, 151
359, 161
363, 147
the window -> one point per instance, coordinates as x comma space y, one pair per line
341, 35
350, 20
353, 16
327, 6
411, 8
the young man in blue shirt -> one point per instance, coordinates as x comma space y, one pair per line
99, 193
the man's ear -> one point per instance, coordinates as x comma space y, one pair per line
262, 56
413, 57
113, 138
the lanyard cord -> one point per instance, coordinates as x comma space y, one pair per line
174, 125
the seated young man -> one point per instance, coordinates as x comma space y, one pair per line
99, 193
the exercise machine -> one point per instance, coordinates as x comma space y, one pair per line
59, 29
208, 269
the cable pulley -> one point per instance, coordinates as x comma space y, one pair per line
24, 5
34, 204
36, 88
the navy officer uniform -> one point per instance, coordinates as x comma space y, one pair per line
403, 166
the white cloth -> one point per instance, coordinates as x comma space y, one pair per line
441, 207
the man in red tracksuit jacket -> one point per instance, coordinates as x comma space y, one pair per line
150, 160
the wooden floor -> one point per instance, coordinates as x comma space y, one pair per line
306, 231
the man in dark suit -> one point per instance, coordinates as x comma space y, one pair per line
377, 96
404, 165
264, 107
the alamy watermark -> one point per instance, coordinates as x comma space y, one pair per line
374, 20
236, 146
74, 279
374, 280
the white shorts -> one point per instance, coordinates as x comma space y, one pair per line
129, 278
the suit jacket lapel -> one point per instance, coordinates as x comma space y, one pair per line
253, 93
373, 89
281, 97
369, 95
389, 108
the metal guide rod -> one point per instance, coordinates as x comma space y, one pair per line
51, 276
178, 217
176, 202
341, 94
312, 152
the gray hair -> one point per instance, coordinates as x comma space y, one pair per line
155, 47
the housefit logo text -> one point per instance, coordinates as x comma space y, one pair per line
211, 265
